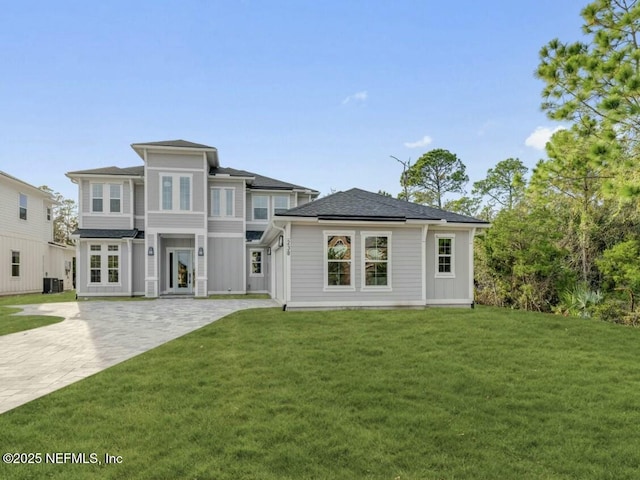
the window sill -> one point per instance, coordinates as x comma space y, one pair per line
346, 288
445, 275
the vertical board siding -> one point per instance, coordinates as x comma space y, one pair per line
137, 265
113, 221
138, 199
175, 220
225, 264
258, 284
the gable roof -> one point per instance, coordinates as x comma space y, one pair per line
23, 184
260, 181
357, 204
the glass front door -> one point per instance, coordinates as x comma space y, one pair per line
183, 271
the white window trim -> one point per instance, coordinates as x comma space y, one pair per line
26, 207
16, 277
223, 202
262, 262
273, 203
375, 288
340, 233
106, 198
48, 212
175, 192
452, 274
104, 264
253, 208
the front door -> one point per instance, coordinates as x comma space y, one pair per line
183, 271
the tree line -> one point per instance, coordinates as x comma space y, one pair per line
565, 237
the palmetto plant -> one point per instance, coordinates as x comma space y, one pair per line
579, 301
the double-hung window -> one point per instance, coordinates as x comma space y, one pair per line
445, 260
110, 191
280, 203
222, 202
260, 207
175, 192
15, 263
22, 209
338, 259
376, 260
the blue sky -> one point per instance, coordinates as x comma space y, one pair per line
315, 93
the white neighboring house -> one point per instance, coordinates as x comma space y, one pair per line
28, 253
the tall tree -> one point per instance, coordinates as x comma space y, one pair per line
65, 217
596, 84
504, 183
435, 174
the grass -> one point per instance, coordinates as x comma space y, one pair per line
434, 394
10, 323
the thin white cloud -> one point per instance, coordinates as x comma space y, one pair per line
356, 97
423, 142
540, 136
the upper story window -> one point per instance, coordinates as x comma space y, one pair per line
22, 210
445, 265
98, 193
175, 192
260, 207
280, 203
48, 214
223, 202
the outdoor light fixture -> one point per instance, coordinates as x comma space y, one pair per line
201, 252
281, 241
150, 252
268, 250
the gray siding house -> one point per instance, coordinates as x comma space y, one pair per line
181, 224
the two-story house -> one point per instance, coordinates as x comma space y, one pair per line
29, 253
178, 224
181, 224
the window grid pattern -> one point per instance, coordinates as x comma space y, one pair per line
339, 260
376, 258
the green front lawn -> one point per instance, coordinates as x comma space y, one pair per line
10, 323
433, 394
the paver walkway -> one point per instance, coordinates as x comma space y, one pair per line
96, 335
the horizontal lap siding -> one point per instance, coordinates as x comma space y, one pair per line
175, 220
178, 160
448, 288
139, 200
221, 226
307, 266
117, 222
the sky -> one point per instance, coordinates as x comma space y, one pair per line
316, 93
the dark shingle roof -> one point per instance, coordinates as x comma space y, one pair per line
260, 182
175, 143
135, 171
252, 235
105, 233
356, 204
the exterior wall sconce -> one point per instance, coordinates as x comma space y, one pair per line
268, 250
281, 241
201, 252
150, 252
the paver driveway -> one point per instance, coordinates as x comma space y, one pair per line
96, 335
